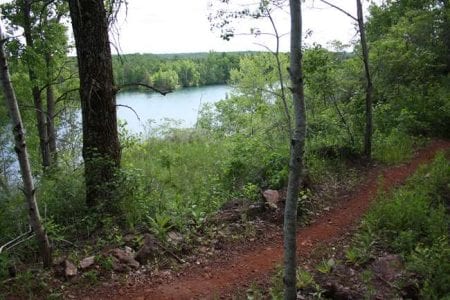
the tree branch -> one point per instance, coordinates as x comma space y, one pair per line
143, 85
340, 9
130, 108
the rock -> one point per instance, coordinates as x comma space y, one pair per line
129, 250
70, 270
117, 266
272, 198
389, 267
254, 210
148, 249
126, 257
129, 238
87, 262
175, 238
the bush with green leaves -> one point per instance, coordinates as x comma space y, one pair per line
412, 221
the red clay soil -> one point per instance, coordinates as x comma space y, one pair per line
227, 275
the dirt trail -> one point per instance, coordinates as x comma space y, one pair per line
227, 274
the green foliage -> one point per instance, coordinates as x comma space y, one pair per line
165, 80
304, 279
169, 72
432, 263
326, 266
394, 148
413, 222
415, 213
4, 264
61, 198
160, 226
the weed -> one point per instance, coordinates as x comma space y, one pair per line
304, 279
326, 266
91, 277
160, 226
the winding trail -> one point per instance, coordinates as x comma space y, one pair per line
226, 275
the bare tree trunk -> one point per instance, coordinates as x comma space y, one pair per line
446, 33
297, 152
369, 86
38, 107
51, 132
22, 154
101, 148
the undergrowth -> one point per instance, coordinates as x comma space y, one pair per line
412, 222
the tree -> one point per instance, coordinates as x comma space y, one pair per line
369, 85
101, 147
42, 55
297, 151
24, 163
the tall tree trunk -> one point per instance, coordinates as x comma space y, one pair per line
297, 152
446, 33
38, 107
22, 154
51, 132
101, 148
369, 86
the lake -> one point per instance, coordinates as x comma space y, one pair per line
181, 105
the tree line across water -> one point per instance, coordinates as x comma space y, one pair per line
168, 72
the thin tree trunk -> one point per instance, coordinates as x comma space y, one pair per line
22, 154
51, 132
297, 151
101, 147
446, 33
369, 86
38, 107
4, 184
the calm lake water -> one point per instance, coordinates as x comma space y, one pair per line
181, 105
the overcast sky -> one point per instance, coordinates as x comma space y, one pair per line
174, 26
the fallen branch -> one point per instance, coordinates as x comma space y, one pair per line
180, 260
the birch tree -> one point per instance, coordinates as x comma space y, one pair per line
22, 155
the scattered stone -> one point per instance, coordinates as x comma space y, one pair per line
129, 250
70, 270
389, 267
87, 262
272, 198
175, 238
119, 267
125, 257
203, 249
129, 238
148, 249
254, 210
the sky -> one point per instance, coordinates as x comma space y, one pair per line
174, 26
180, 26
